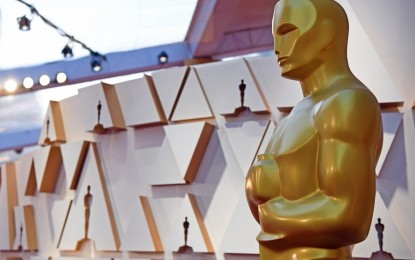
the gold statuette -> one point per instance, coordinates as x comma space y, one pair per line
313, 190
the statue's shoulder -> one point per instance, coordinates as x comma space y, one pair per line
349, 111
356, 97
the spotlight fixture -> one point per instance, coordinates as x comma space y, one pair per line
96, 65
10, 85
96, 61
24, 23
67, 51
28, 83
163, 58
44, 80
61, 77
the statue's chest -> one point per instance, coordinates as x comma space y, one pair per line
295, 132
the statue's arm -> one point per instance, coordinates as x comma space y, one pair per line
349, 127
262, 182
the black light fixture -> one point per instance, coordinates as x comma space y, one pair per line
163, 57
96, 61
96, 65
24, 23
67, 51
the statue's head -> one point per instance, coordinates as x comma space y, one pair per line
308, 33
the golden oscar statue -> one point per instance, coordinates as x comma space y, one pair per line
313, 190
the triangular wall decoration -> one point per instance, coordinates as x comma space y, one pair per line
222, 83
172, 225
140, 103
393, 241
391, 123
101, 108
53, 129
73, 156
60, 212
192, 103
196, 136
8, 201
168, 84
366, 64
26, 236
142, 234
245, 138
102, 229
47, 164
241, 231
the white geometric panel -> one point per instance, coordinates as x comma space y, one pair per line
53, 128
393, 242
139, 102
141, 233
26, 235
154, 157
245, 139
168, 83
221, 81
391, 123
100, 104
366, 64
242, 230
196, 137
171, 224
26, 179
73, 157
20, 229
102, 227
47, 163
60, 211
8, 201
73, 119
279, 92
192, 103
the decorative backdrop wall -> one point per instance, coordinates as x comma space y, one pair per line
174, 144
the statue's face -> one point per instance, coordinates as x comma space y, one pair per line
294, 37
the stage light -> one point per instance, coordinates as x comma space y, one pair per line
44, 80
28, 83
163, 57
96, 61
96, 65
10, 85
24, 23
61, 77
67, 51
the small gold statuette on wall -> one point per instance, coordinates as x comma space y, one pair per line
47, 139
86, 244
381, 255
20, 247
313, 190
185, 249
99, 128
238, 110
242, 107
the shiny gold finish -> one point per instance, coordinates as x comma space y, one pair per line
313, 191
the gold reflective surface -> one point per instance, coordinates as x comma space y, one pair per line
313, 190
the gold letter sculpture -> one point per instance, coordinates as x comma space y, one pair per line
313, 190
